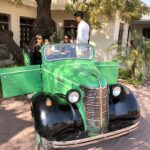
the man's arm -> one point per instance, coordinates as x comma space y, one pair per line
80, 34
83, 33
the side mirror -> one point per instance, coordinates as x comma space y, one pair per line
26, 49
27, 55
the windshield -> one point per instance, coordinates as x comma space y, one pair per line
68, 51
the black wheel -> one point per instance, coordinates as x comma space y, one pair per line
40, 147
44, 145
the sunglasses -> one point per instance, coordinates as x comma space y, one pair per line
39, 38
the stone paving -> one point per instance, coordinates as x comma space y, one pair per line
17, 129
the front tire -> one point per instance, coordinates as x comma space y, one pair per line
44, 145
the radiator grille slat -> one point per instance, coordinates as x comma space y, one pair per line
96, 109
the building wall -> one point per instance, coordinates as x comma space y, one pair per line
106, 37
146, 17
103, 38
25, 11
15, 13
56, 4
59, 16
139, 29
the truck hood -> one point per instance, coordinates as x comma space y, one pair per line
82, 74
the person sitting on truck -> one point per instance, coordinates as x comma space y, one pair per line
37, 47
68, 49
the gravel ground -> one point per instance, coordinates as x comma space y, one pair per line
17, 129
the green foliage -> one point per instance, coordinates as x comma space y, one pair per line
93, 9
106, 9
133, 10
134, 61
125, 74
55, 38
144, 45
16, 2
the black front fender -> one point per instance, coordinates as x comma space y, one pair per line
125, 106
56, 119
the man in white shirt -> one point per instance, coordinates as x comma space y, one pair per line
83, 30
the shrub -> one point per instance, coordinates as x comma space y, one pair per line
134, 60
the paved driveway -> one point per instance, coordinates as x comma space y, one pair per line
17, 131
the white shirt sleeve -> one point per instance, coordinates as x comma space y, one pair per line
80, 34
83, 32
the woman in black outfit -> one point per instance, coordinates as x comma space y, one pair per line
37, 47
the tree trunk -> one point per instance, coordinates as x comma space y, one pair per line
6, 37
43, 24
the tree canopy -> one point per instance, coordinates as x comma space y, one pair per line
16, 2
106, 9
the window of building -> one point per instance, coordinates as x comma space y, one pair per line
4, 22
70, 28
146, 32
120, 37
26, 25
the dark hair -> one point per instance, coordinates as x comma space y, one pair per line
79, 14
37, 36
67, 36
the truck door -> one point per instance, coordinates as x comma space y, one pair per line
20, 80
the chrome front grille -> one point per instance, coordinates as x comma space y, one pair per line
96, 109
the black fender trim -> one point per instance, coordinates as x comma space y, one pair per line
125, 106
55, 120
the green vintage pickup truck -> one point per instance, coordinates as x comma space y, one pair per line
76, 101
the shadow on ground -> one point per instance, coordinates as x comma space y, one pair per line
134, 141
17, 129
15, 123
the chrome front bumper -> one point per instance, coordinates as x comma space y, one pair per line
95, 139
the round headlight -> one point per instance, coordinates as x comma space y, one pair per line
116, 91
73, 96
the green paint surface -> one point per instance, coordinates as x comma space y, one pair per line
20, 80
59, 77
27, 61
109, 71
